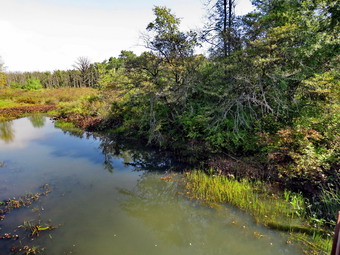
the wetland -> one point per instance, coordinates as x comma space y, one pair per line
110, 198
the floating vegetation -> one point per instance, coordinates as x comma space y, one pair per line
9, 205
26, 250
35, 229
8, 236
169, 178
258, 235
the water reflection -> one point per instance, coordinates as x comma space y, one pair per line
7, 133
136, 155
189, 228
37, 121
131, 211
153, 196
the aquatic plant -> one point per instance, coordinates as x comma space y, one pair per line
24, 201
27, 250
8, 236
35, 229
9, 205
285, 212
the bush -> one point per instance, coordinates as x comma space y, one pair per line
33, 84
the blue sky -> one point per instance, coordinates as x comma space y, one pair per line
45, 35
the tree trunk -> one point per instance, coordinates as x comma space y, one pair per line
230, 25
225, 40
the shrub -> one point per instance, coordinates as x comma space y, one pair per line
33, 84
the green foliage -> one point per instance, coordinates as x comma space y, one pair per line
308, 150
30, 84
2, 66
3, 80
33, 84
91, 105
242, 194
16, 85
172, 96
325, 206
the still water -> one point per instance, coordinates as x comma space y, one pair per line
109, 198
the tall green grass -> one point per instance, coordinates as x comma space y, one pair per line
286, 212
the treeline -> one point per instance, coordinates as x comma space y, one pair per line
84, 74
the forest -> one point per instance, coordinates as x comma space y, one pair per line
262, 105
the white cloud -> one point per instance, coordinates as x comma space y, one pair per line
50, 34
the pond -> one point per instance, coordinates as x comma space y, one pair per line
109, 198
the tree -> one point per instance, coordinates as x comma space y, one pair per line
2, 66
174, 48
33, 84
3, 76
220, 30
293, 50
87, 71
112, 73
162, 77
165, 39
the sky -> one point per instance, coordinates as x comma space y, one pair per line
48, 35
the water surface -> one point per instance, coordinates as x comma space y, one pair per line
108, 198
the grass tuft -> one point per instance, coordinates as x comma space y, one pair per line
284, 212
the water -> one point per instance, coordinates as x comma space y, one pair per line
103, 205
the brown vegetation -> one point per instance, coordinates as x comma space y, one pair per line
15, 112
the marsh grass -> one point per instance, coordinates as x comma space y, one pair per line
284, 212
20, 97
4, 103
12, 101
326, 206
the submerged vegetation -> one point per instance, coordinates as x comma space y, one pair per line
267, 93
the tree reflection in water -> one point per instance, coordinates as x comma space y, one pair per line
135, 154
139, 156
37, 121
7, 133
